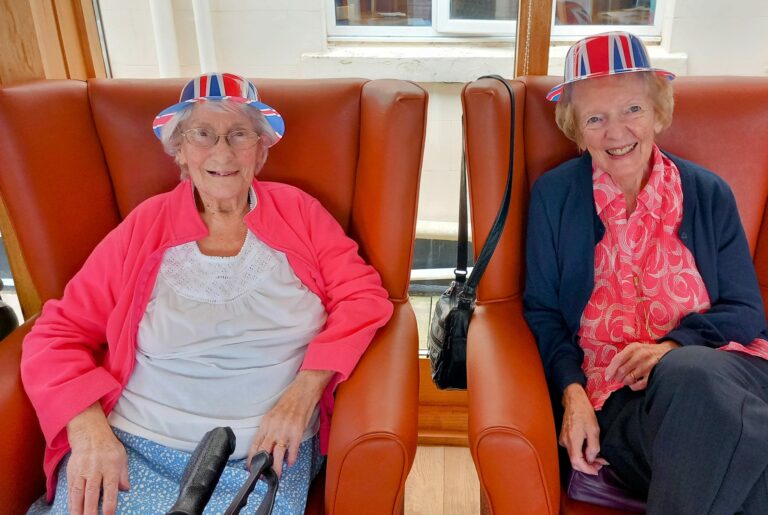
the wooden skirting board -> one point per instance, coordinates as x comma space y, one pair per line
442, 413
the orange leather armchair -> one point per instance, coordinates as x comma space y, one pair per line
78, 157
720, 123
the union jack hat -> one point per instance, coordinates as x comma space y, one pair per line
222, 86
605, 54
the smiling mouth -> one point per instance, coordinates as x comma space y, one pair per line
621, 151
221, 173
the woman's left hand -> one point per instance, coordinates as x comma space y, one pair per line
632, 366
282, 428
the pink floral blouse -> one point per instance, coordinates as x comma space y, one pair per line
646, 280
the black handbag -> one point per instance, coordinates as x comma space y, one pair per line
205, 467
447, 340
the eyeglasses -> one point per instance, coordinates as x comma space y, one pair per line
240, 139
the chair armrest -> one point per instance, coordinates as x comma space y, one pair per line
511, 427
374, 424
21, 441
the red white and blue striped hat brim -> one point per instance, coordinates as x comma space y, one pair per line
603, 55
210, 88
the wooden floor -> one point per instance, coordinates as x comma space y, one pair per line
442, 481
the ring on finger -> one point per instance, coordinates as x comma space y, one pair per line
632, 375
281, 444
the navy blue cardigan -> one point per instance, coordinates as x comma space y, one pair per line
563, 229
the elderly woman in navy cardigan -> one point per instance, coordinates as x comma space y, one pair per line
643, 299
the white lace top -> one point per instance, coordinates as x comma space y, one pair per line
221, 339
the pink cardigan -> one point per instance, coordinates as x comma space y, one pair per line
66, 366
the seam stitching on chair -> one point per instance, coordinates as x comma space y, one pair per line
500, 429
373, 436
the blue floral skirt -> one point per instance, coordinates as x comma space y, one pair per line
155, 471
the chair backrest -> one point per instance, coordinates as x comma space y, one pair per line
487, 123
74, 170
720, 123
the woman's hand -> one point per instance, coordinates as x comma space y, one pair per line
580, 433
632, 366
283, 426
98, 462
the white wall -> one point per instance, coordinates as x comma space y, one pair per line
287, 39
257, 38
440, 178
720, 37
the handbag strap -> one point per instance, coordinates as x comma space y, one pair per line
460, 272
498, 224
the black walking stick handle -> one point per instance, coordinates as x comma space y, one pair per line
203, 471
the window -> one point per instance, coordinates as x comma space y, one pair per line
421, 17
575, 18
440, 18
477, 16
387, 13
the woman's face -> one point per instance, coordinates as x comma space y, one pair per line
616, 120
221, 172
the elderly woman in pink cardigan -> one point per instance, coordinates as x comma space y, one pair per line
226, 301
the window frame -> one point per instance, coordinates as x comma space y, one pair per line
363, 31
444, 27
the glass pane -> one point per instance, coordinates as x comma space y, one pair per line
8, 293
604, 12
384, 12
484, 9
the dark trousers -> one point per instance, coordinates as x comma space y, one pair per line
696, 440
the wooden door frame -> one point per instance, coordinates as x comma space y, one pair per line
534, 25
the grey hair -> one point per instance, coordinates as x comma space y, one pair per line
171, 133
